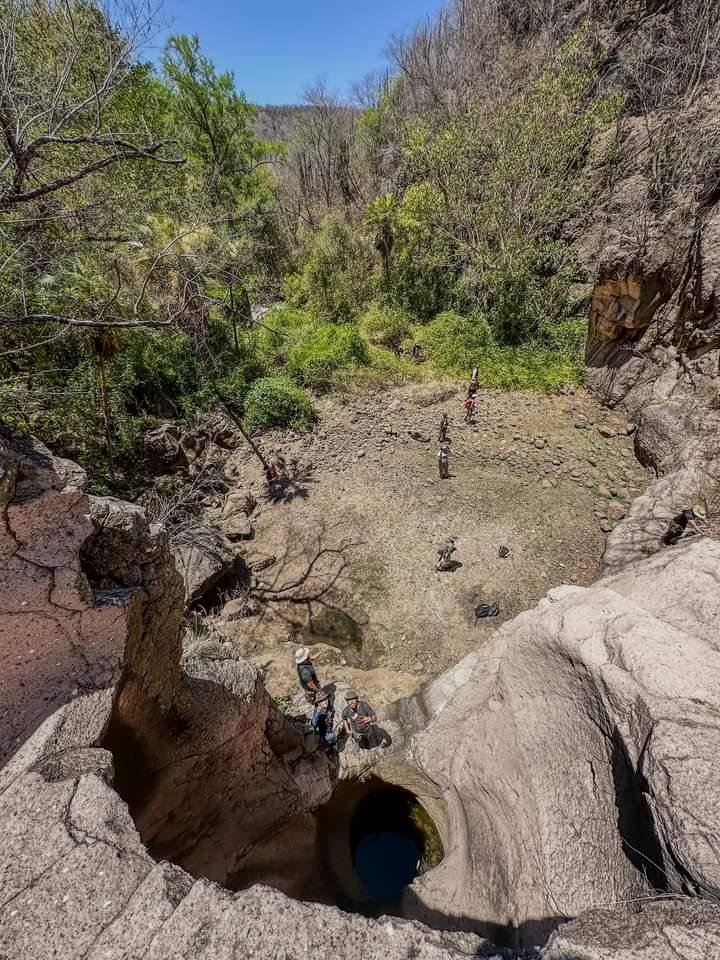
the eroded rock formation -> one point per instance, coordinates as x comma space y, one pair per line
581, 746
570, 766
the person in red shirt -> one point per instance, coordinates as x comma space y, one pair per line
271, 477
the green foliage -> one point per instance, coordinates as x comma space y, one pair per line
453, 343
215, 117
489, 187
319, 354
385, 325
277, 402
382, 218
336, 277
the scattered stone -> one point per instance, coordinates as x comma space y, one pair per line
540, 444
616, 511
606, 525
420, 437
603, 491
547, 484
606, 431
238, 527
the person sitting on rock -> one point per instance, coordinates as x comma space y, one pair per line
445, 560
677, 527
323, 717
306, 674
358, 718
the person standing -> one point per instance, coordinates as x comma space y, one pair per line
306, 674
443, 458
322, 720
358, 718
444, 424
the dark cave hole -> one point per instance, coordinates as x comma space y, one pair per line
393, 840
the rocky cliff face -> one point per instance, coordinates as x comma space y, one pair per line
570, 767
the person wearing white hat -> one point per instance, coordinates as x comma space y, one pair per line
306, 674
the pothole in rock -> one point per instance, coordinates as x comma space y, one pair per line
393, 840
361, 851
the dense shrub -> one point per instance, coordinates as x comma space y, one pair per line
277, 402
454, 343
336, 279
385, 326
277, 333
320, 353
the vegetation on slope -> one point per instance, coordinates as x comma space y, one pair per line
141, 216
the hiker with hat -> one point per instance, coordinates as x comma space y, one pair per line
323, 717
358, 718
306, 674
677, 527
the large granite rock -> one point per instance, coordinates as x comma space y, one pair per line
578, 751
569, 765
204, 558
77, 882
660, 930
62, 631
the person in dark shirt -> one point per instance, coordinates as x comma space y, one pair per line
679, 524
323, 717
358, 718
272, 478
306, 674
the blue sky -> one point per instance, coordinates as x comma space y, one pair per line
277, 48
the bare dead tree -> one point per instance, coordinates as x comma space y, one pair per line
56, 122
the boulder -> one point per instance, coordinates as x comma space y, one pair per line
84, 580
660, 930
596, 712
163, 450
236, 523
204, 558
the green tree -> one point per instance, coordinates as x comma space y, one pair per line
217, 119
382, 217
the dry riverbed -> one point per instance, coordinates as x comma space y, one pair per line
544, 476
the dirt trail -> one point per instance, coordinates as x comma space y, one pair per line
532, 473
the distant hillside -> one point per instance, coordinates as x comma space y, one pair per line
278, 122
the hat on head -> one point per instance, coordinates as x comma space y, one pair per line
699, 511
302, 654
351, 695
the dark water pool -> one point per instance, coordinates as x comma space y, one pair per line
393, 841
386, 862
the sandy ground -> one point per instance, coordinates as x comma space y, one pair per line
533, 473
